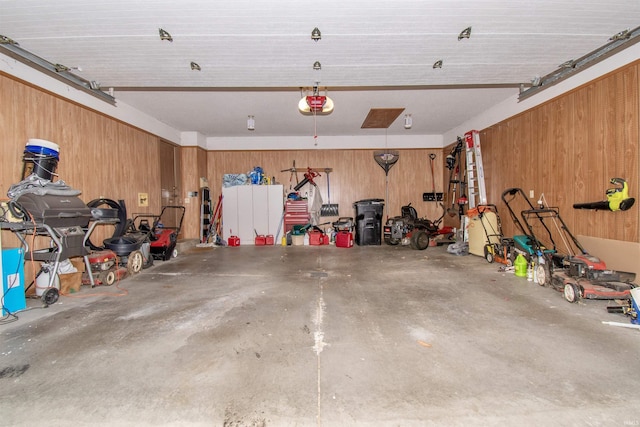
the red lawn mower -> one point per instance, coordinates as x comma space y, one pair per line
163, 230
574, 272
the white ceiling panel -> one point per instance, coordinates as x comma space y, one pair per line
256, 55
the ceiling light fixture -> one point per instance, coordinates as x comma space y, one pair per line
195, 66
315, 34
94, 85
164, 35
251, 123
317, 65
437, 64
465, 34
408, 121
315, 104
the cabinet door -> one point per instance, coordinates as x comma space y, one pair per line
261, 209
230, 224
276, 210
245, 214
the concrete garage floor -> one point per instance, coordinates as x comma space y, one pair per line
320, 336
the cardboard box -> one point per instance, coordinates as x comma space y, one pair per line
78, 263
70, 283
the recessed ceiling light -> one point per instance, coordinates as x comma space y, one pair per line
437, 64
465, 34
315, 34
164, 35
195, 66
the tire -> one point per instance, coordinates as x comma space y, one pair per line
488, 254
543, 274
50, 296
571, 292
419, 240
107, 278
391, 241
134, 262
174, 253
120, 227
148, 262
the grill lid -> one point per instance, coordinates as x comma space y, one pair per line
56, 211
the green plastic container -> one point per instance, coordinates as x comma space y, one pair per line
520, 265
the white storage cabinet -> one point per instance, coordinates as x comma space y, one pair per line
251, 209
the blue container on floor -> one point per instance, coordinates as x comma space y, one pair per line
13, 299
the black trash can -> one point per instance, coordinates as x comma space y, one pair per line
369, 221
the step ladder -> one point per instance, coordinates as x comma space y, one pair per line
475, 170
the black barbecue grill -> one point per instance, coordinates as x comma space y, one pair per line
56, 211
41, 207
63, 218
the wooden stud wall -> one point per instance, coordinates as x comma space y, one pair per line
356, 175
568, 149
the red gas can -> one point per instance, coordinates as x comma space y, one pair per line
234, 241
316, 238
344, 239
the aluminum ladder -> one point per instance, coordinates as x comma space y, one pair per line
475, 170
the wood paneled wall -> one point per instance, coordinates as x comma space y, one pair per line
194, 166
100, 156
568, 149
356, 175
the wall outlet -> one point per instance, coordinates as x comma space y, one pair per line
187, 200
531, 194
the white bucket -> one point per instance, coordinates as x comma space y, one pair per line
42, 145
40, 158
42, 281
